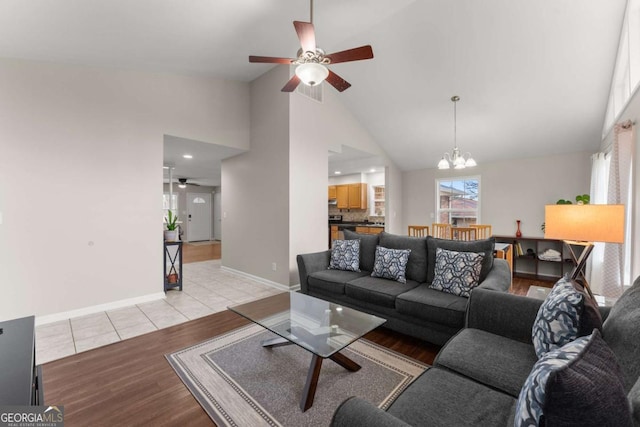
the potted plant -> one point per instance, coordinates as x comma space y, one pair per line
171, 222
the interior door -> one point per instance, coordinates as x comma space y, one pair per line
198, 216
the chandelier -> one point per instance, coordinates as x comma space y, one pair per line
455, 158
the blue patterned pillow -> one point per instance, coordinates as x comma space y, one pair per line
456, 273
577, 384
391, 263
345, 255
558, 318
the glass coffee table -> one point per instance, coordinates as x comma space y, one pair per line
320, 327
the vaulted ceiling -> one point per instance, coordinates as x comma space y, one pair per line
533, 76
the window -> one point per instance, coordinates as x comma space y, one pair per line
458, 201
166, 206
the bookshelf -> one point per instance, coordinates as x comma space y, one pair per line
526, 261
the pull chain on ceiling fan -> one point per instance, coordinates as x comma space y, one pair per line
312, 61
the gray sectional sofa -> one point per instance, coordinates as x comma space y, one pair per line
478, 374
413, 307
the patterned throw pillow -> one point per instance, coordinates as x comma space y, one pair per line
457, 273
577, 384
345, 255
391, 264
560, 316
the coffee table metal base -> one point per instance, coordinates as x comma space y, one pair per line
314, 370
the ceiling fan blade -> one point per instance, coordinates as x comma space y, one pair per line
338, 82
291, 84
355, 54
270, 59
307, 35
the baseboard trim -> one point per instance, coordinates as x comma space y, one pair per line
262, 280
50, 318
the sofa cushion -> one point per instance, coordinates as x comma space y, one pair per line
332, 281
499, 362
442, 398
621, 331
345, 255
391, 264
577, 384
433, 306
456, 273
368, 243
560, 317
417, 264
484, 246
377, 291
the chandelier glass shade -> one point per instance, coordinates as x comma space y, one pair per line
455, 159
312, 73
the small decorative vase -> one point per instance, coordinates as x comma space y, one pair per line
170, 235
518, 232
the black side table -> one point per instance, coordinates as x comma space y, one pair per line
172, 265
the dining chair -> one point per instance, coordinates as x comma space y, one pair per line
482, 231
441, 231
418, 230
463, 233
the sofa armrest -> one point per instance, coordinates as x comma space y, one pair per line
310, 263
501, 313
499, 277
355, 412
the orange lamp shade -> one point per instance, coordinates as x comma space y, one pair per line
586, 223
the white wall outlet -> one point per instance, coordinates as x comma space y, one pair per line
224, 215
274, 266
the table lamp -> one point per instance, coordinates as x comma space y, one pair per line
582, 225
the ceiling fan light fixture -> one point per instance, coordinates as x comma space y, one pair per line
182, 185
312, 73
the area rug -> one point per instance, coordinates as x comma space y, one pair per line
240, 383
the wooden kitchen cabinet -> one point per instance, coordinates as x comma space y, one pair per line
335, 234
369, 230
333, 192
342, 195
358, 196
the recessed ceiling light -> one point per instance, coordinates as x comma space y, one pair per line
372, 170
165, 167
337, 172
187, 156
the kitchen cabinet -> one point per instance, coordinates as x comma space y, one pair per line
369, 230
335, 234
342, 195
350, 196
358, 196
333, 192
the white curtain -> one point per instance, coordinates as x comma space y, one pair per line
599, 185
618, 192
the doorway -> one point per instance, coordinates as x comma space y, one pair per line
198, 216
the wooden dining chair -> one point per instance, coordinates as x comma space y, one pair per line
482, 231
463, 233
418, 230
441, 231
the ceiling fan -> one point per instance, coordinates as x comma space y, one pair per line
312, 60
183, 183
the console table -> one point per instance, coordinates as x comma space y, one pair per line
20, 378
172, 265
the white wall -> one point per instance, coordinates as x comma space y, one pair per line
510, 190
255, 201
81, 136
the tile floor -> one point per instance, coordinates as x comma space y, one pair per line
206, 289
